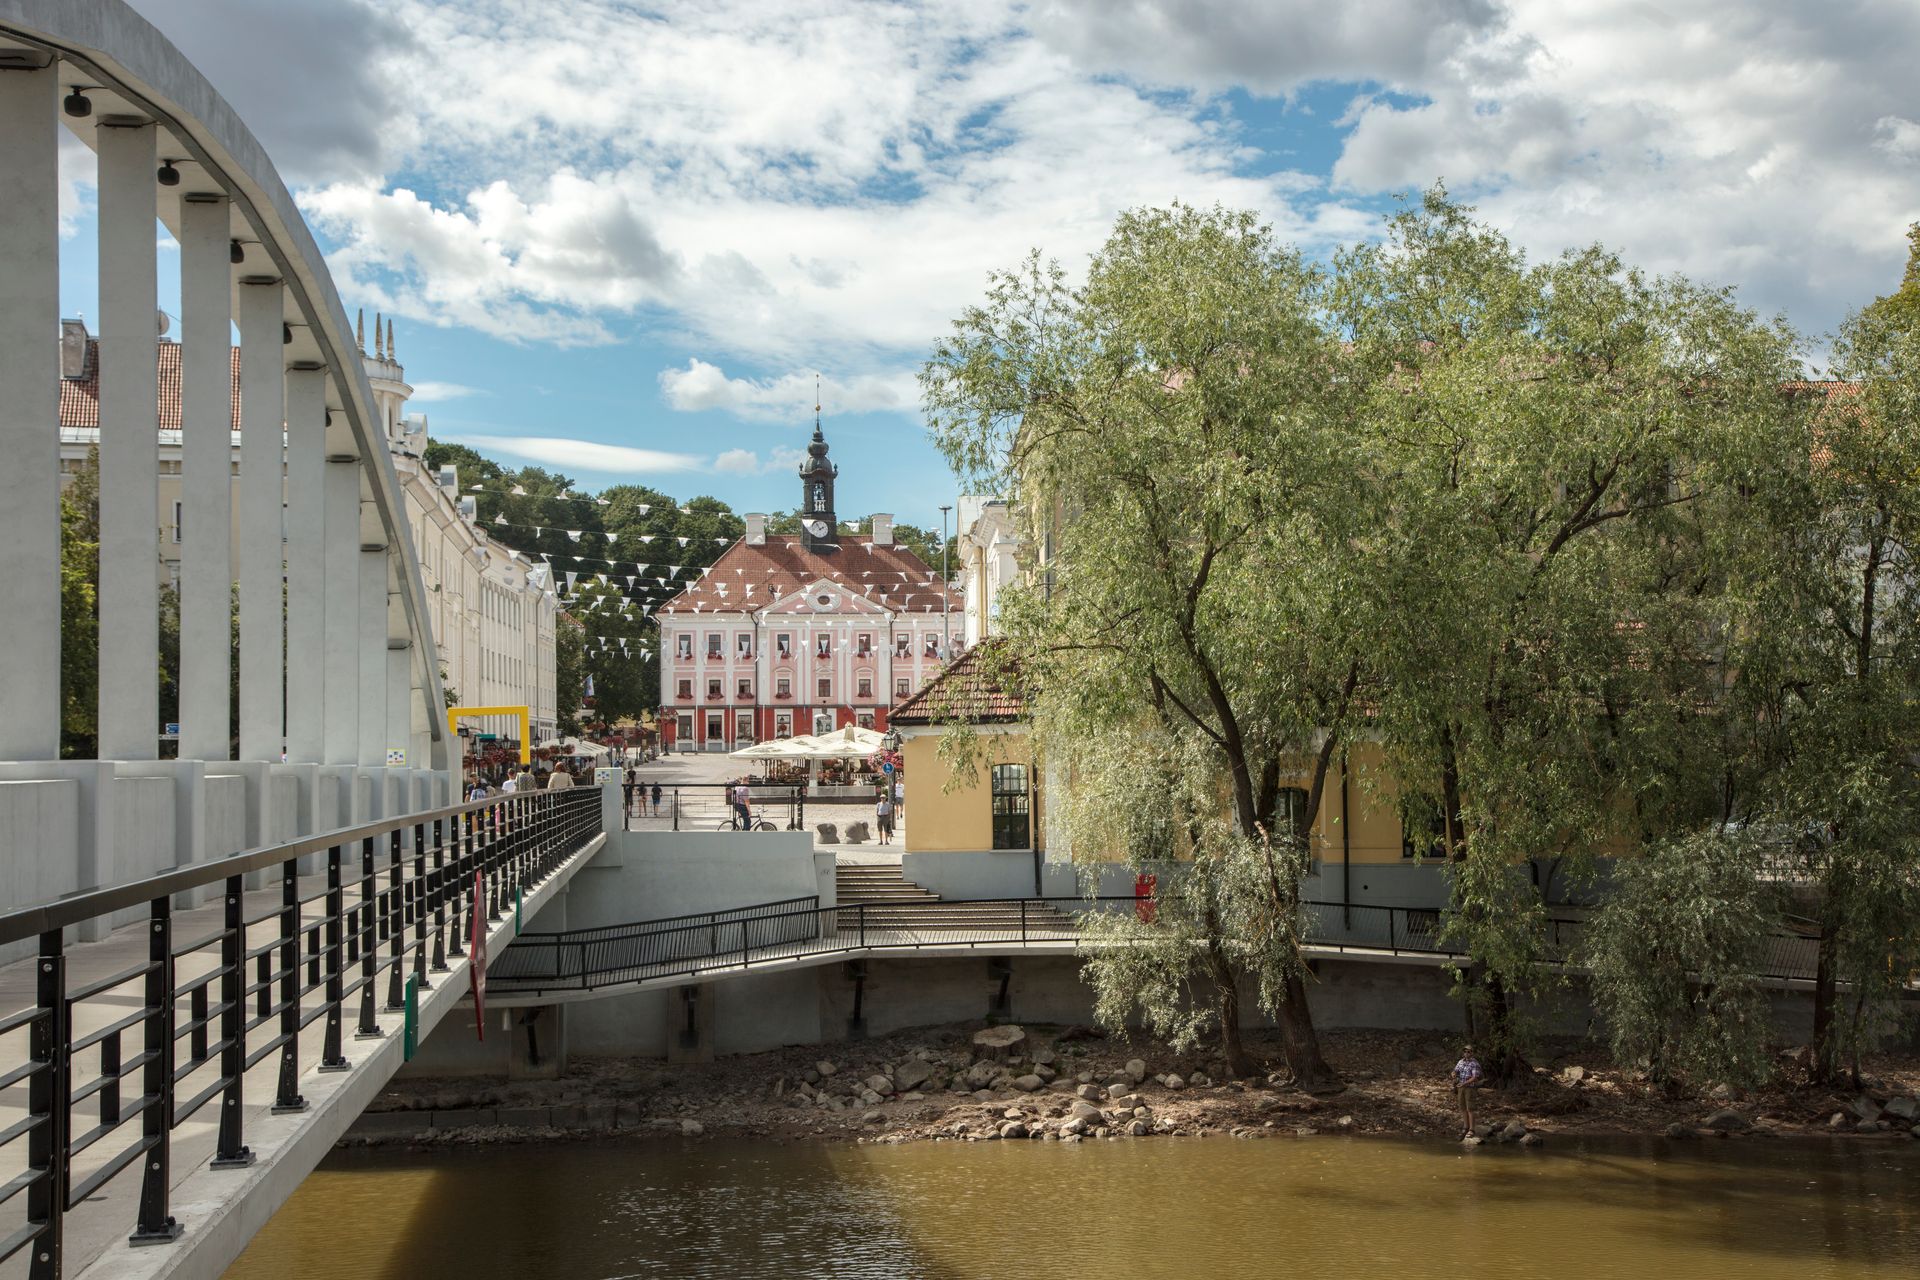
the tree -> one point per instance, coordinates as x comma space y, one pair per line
1842, 641
79, 611
1180, 427
1677, 956
1563, 450
570, 673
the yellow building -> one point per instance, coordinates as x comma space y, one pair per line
998, 807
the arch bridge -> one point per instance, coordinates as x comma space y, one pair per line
211, 931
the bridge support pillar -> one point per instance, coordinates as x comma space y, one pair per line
689, 1013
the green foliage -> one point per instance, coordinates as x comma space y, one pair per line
1193, 647
570, 674
79, 612
1677, 955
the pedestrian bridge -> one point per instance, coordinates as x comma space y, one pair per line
799, 933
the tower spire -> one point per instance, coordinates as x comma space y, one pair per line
360, 330
390, 354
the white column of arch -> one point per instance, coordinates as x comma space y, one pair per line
206, 479
263, 462
372, 639
341, 598
399, 666
307, 473
29, 405
129, 718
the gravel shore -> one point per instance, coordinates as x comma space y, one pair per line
1074, 1084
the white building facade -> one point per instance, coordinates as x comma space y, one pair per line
493, 613
802, 633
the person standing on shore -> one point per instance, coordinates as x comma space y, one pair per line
1466, 1078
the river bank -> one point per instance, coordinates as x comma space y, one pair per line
1071, 1084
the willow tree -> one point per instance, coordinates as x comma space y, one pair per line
1844, 644
1565, 447
1178, 433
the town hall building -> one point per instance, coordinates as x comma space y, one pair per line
801, 633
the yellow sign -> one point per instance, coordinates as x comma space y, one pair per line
526, 736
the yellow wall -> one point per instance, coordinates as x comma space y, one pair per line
943, 821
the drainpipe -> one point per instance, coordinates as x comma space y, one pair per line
1346, 850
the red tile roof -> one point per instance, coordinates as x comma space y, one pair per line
893, 578
80, 397
965, 691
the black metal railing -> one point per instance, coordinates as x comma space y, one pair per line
708, 806
396, 900
688, 947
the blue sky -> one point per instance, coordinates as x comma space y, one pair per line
605, 228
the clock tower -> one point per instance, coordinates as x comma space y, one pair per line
819, 528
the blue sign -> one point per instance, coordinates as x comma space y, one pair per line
171, 731
886, 766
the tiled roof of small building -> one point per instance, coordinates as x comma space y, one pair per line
966, 692
749, 577
80, 397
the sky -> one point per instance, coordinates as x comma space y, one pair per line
622, 240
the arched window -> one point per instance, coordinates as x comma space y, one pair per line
819, 497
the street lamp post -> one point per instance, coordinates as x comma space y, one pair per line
946, 588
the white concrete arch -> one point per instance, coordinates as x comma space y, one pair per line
360, 725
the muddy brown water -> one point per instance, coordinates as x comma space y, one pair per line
1322, 1207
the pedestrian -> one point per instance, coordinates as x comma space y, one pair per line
883, 815
559, 778
511, 785
737, 795
627, 797
656, 799
899, 797
1466, 1078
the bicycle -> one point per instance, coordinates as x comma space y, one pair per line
753, 824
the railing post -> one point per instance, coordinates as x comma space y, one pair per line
1023, 922
369, 1028
155, 1224
288, 1098
461, 874
1392, 945
230, 1152
47, 1104
396, 916
331, 1056
439, 895
861, 911
420, 905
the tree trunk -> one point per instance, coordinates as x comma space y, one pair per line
1227, 993
1310, 1070
1823, 1055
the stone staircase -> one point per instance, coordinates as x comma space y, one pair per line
891, 901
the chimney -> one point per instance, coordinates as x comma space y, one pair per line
756, 529
73, 348
882, 529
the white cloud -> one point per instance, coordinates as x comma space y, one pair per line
794, 186
745, 462
585, 455
1743, 142
825, 184
788, 398
435, 392
1898, 137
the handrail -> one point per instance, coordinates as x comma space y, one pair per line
682, 946
74, 908
404, 899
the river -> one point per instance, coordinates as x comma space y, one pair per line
1322, 1207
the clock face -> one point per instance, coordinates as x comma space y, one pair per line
818, 528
